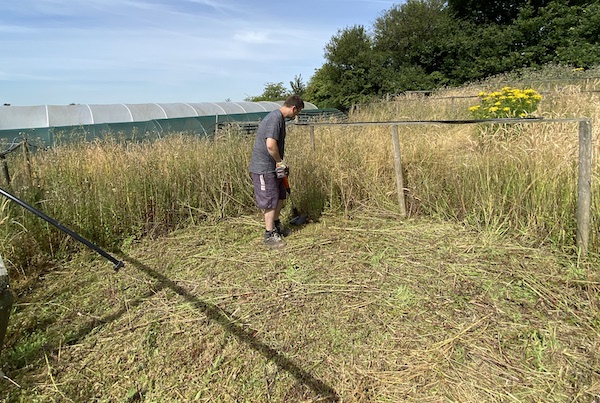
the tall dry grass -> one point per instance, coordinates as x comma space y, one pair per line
511, 179
519, 180
114, 193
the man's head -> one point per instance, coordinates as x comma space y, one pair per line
292, 106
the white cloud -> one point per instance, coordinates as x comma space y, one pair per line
253, 37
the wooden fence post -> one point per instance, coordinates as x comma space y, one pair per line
6, 301
5, 170
398, 168
312, 137
584, 186
27, 156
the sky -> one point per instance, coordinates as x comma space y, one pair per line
57, 52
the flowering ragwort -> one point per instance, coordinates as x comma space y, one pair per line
506, 103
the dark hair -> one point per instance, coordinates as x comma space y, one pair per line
294, 100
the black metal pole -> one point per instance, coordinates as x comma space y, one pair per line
117, 263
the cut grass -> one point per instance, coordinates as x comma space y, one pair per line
361, 308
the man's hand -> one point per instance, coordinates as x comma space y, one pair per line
282, 169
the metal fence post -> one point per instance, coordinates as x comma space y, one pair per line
584, 186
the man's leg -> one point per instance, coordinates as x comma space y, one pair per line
268, 198
270, 215
277, 224
278, 210
272, 236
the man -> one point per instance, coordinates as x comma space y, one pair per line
267, 168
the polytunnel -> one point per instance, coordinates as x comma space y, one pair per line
46, 124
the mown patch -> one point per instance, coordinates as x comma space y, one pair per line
356, 308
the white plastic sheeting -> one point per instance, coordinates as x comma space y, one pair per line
46, 116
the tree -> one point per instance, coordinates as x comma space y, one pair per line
421, 38
298, 87
272, 92
582, 47
277, 91
560, 33
502, 12
352, 73
426, 44
489, 11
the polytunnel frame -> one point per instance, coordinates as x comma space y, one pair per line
584, 180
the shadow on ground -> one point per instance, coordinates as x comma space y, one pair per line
326, 392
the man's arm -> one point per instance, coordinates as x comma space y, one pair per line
273, 149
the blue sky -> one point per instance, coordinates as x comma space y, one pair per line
136, 51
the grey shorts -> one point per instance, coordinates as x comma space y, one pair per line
268, 190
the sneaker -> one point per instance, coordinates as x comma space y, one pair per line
281, 230
274, 240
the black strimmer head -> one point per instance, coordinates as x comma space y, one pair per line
299, 219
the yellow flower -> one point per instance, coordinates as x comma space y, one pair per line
506, 102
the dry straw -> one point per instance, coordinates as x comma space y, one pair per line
367, 308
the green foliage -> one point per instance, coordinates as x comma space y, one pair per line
429, 44
559, 33
278, 92
272, 92
28, 349
298, 87
491, 12
352, 74
416, 33
506, 103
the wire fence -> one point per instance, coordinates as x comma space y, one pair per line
584, 184
584, 181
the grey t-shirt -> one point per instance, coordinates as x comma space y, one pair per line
272, 125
